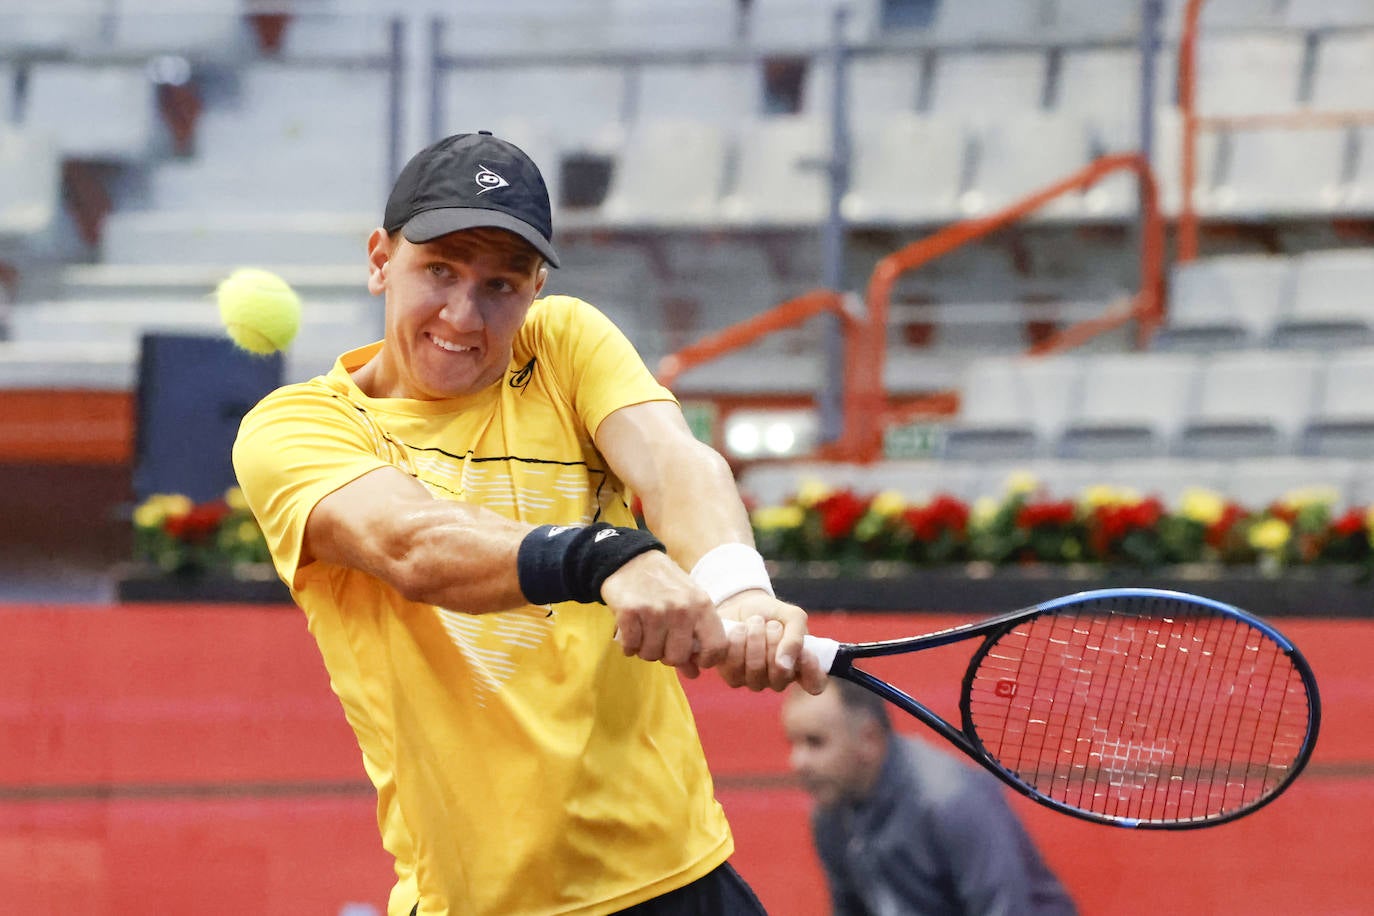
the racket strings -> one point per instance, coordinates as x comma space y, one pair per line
1140, 710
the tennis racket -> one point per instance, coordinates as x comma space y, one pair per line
1133, 707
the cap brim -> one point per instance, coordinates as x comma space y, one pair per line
429, 225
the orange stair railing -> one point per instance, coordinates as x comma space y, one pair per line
868, 410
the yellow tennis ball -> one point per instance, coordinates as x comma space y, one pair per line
260, 310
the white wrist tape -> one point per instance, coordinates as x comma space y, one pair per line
729, 569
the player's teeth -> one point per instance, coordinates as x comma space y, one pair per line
451, 347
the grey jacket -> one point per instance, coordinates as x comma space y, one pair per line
935, 836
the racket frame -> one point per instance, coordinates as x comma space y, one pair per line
994, 628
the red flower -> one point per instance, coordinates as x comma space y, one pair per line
198, 525
1036, 515
944, 513
840, 512
1287, 513
1218, 530
1349, 524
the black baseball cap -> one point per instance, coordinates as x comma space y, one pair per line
468, 181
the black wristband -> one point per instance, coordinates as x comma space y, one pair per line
560, 563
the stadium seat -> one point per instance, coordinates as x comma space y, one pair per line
1023, 153
1250, 403
1229, 301
961, 23
673, 25
209, 30
195, 236
1167, 161
336, 35
583, 104
528, 28
1224, 14
30, 187
978, 84
1331, 305
74, 27
780, 178
1359, 198
906, 169
1093, 20
1096, 83
1015, 407
1258, 482
781, 26
1131, 405
1243, 74
8, 89
101, 112
1343, 79
1342, 424
1281, 172
668, 173
719, 92
1329, 14
877, 84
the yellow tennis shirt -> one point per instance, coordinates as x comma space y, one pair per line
523, 764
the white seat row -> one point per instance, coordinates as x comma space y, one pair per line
1146, 405
1315, 299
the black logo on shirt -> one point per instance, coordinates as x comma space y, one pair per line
521, 378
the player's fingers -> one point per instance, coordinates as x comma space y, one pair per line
778, 675
629, 633
712, 646
679, 638
789, 649
810, 674
756, 654
654, 630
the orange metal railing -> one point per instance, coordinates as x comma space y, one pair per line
867, 408
862, 440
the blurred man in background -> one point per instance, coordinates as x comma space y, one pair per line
903, 829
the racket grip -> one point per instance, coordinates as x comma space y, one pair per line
823, 649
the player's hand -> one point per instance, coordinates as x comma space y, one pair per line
661, 615
766, 652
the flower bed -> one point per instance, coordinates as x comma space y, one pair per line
1104, 526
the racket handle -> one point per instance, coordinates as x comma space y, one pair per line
823, 649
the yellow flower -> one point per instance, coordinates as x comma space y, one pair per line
1107, 495
246, 532
812, 491
159, 507
984, 511
776, 518
1270, 535
1369, 522
1310, 496
888, 504
235, 499
1021, 483
1204, 506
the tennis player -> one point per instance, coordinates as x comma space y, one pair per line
903, 828
450, 508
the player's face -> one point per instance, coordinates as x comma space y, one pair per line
828, 750
453, 308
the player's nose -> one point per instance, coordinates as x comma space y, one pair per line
460, 309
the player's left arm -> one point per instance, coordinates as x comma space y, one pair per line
692, 504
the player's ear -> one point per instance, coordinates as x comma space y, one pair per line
378, 256
540, 279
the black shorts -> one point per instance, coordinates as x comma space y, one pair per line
718, 893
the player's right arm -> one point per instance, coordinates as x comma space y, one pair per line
310, 471
434, 551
